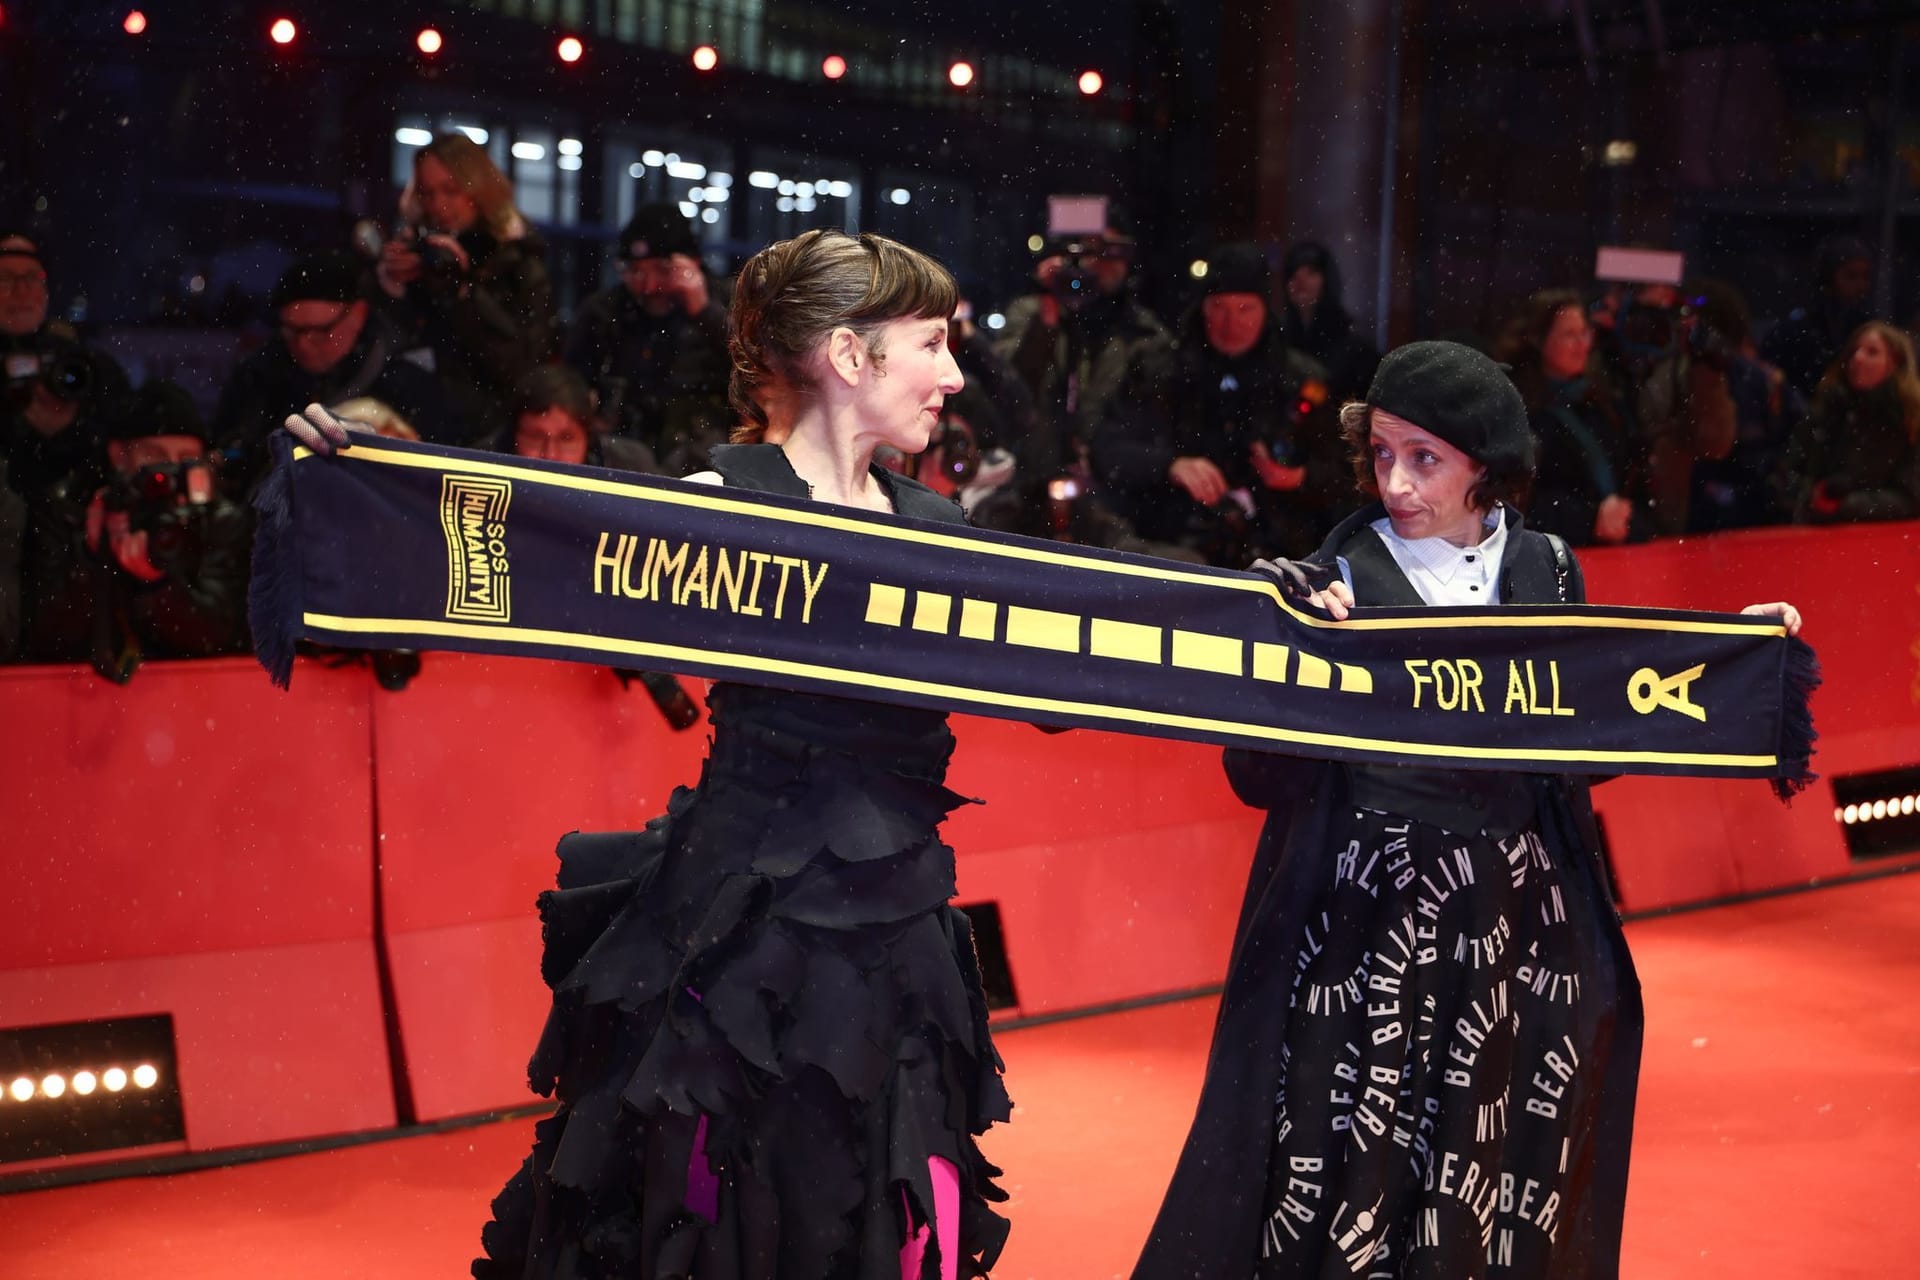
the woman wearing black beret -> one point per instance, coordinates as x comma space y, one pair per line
1429, 1041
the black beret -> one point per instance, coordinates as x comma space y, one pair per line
1236, 268
657, 231
332, 275
1460, 395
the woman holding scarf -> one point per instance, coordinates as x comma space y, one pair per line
768, 1038
1427, 1048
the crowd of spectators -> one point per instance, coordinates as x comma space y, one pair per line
1211, 436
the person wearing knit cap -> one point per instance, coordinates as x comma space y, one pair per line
654, 346
1225, 442
1431, 1029
328, 348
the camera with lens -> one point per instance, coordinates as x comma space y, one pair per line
1076, 282
62, 370
164, 500
435, 259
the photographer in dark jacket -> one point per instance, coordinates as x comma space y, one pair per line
1317, 321
467, 282
1072, 344
654, 346
58, 393
1226, 443
154, 564
330, 349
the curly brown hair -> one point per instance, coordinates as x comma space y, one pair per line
792, 294
1356, 429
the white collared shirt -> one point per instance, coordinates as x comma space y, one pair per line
1444, 574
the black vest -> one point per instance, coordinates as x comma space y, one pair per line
764, 467
1460, 800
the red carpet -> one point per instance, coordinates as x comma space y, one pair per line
1779, 1133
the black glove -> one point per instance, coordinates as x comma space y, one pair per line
1299, 579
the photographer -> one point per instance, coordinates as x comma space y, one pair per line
1744, 489
1226, 443
1678, 368
654, 346
1072, 344
154, 564
466, 282
329, 348
58, 393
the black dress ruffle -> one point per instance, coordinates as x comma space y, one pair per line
771, 970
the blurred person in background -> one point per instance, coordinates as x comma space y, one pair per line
466, 282
1805, 342
654, 346
13, 538
1587, 468
58, 393
329, 347
1072, 343
554, 421
1857, 455
1226, 443
1684, 409
154, 564
1743, 489
1318, 324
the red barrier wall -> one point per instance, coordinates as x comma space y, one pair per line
481, 765
202, 844
196, 844
1677, 840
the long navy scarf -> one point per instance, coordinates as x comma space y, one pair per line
399, 545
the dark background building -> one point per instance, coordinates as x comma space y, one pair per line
1477, 149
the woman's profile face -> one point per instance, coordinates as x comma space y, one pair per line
1569, 340
901, 404
1424, 482
443, 201
1871, 362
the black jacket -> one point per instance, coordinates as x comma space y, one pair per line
662, 380
1188, 400
487, 328
1585, 451
268, 385
80, 606
1209, 1224
1854, 449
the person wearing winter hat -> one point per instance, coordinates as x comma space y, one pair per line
328, 348
1225, 442
156, 564
654, 346
1422, 945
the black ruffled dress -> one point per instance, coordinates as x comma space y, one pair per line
768, 986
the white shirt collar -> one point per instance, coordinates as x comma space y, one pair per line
1444, 574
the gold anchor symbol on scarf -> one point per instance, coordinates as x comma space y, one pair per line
1648, 689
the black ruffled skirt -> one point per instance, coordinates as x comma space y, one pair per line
766, 984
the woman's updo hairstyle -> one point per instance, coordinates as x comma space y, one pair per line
792, 294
